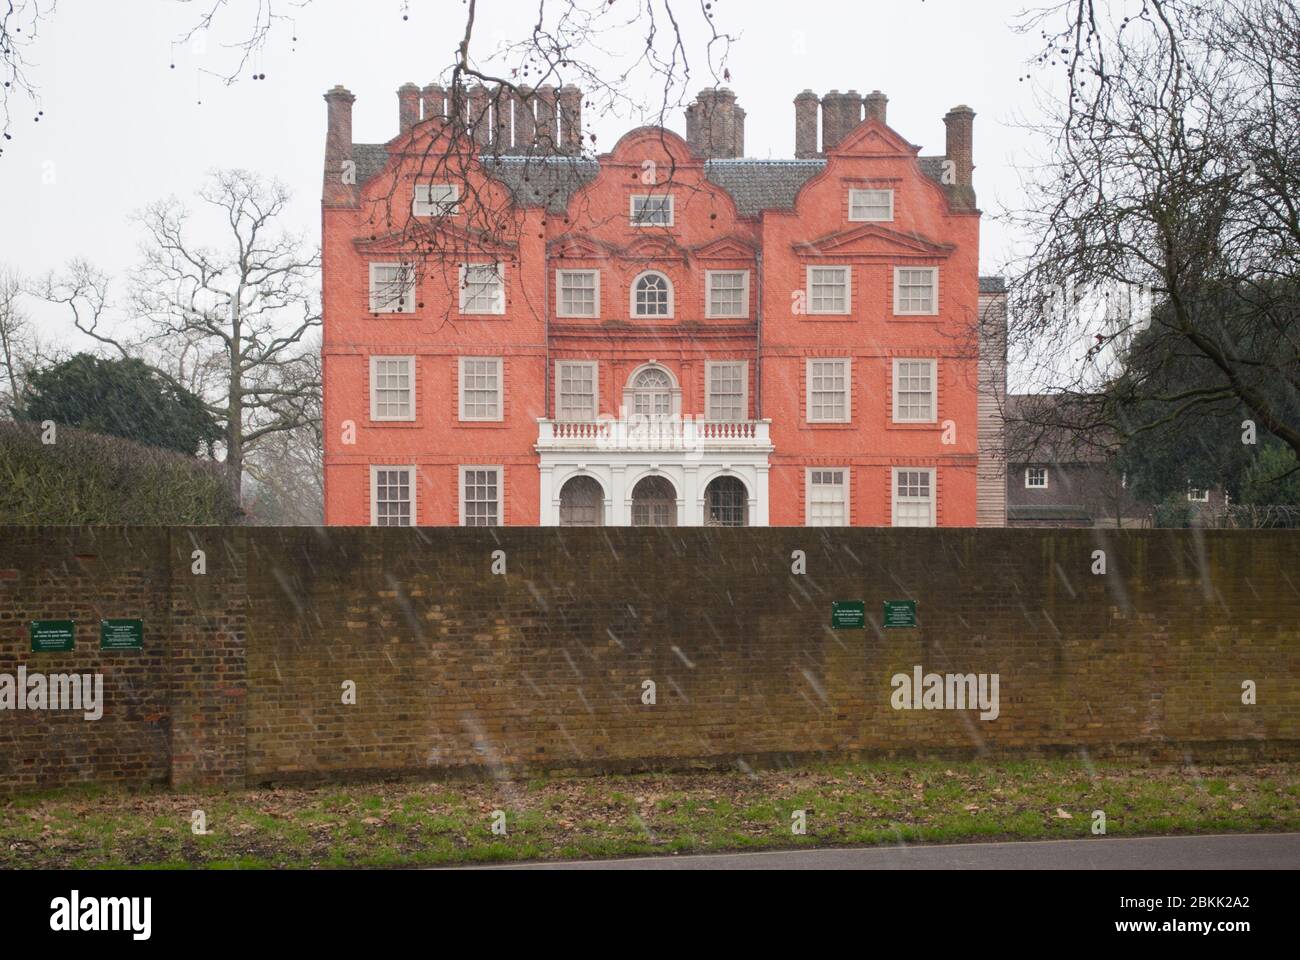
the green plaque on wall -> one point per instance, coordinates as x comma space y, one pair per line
53, 636
848, 614
121, 634
900, 613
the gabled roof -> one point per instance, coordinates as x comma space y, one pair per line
754, 185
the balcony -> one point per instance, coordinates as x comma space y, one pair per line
672, 435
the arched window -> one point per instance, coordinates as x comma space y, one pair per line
654, 503
725, 503
652, 296
652, 393
582, 503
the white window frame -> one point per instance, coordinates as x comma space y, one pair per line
1036, 486
413, 483
855, 192
934, 294
847, 488
744, 387
408, 305
500, 306
808, 389
422, 204
501, 489
374, 389
934, 389
1192, 490
848, 288
672, 297
595, 387
501, 390
561, 311
893, 494
709, 312
636, 222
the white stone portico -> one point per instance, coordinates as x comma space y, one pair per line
702, 460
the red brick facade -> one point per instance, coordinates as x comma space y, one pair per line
773, 342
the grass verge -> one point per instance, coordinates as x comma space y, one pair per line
404, 824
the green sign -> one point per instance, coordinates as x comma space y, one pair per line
900, 613
848, 614
121, 634
53, 636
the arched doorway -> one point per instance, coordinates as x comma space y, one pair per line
582, 503
654, 503
726, 503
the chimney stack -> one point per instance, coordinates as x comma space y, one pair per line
435, 99
501, 129
480, 116
408, 107
841, 112
805, 125
339, 186
546, 125
525, 128
570, 120
960, 121
876, 102
715, 126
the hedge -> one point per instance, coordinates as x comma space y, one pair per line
89, 478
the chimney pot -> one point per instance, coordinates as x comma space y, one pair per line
960, 124
805, 125
876, 104
435, 102
547, 125
570, 98
715, 125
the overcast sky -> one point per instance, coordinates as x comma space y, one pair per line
121, 127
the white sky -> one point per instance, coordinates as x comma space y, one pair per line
121, 128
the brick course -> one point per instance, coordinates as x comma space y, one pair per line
460, 670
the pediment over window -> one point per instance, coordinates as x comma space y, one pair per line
578, 246
873, 240
653, 248
727, 248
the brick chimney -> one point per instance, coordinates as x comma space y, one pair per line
876, 102
570, 120
501, 128
339, 185
435, 101
480, 116
960, 121
805, 125
841, 112
715, 126
408, 107
525, 127
546, 125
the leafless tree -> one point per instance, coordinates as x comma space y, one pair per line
242, 310
21, 22
1166, 218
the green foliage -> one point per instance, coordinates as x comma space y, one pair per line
87, 478
122, 398
1273, 477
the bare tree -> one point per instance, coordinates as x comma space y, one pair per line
1166, 222
20, 27
241, 312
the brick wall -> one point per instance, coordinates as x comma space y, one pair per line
456, 668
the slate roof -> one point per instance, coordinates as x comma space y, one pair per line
754, 185
993, 285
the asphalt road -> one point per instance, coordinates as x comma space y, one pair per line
1267, 851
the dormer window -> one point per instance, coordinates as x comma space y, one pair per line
652, 210
871, 205
436, 199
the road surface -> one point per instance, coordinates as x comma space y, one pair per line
1263, 851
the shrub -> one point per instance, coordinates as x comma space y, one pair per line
89, 478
